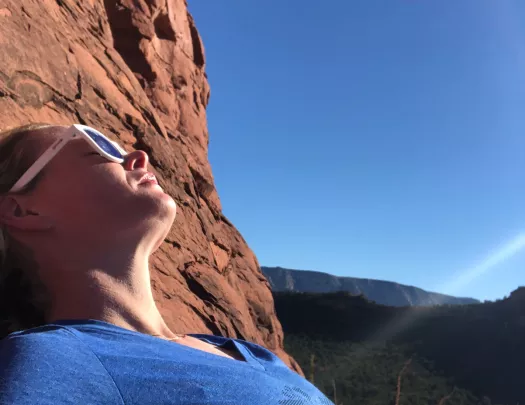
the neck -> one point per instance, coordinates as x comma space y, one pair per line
93, 292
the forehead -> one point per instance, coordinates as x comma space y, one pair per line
39, 141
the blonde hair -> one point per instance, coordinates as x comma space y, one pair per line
23, 299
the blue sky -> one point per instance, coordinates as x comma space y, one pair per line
373, 138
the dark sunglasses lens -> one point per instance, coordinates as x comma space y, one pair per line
103, 143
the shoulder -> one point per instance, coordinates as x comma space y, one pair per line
261, 352
254, 350
45, 342
41, 335
49, 365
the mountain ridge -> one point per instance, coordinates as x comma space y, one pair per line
381, 291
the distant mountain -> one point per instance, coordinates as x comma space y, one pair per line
382, 292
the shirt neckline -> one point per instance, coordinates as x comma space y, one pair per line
249, 358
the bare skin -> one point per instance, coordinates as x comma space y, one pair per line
92, 228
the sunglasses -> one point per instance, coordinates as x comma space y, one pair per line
98, 141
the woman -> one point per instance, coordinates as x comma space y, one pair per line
80, 219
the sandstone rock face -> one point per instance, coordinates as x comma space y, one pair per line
135, 70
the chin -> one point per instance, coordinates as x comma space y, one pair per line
151, 229
156, 202
165, 219
170, 208
149, 213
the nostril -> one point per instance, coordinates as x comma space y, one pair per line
136, 160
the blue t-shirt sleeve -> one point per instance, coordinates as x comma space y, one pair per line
52, 368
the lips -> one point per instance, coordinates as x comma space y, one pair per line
148, 178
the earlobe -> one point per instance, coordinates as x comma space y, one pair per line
13, 215
9, 207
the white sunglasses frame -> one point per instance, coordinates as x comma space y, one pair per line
73, 132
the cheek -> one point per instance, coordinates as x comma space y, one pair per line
89, 196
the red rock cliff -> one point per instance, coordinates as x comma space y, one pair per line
135, 69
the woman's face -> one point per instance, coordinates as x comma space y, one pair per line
89, 198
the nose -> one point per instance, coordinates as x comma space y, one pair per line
135, 160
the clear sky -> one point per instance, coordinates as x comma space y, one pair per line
373, 138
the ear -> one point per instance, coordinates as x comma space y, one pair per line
15, 216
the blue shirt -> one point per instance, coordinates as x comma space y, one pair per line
93, 362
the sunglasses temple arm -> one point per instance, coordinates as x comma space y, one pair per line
40, 163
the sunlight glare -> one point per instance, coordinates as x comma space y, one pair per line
501, 255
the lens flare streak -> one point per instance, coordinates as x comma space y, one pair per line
501, 255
